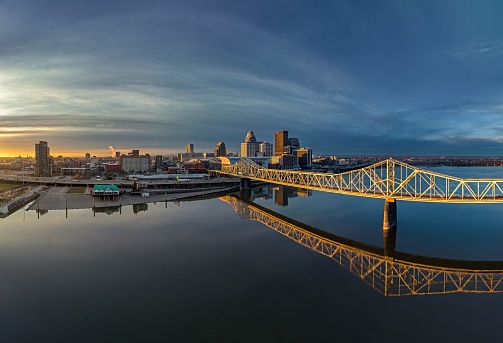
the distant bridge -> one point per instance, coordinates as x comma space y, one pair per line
387, 179
390, 273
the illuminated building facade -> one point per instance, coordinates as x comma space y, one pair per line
280, 141
250, 147
220, 150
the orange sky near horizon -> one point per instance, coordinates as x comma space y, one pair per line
31, 153
79, 153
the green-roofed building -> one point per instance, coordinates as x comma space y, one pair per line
107, 190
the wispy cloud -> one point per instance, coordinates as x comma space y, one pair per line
480, 47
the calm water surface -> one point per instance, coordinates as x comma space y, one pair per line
197, 272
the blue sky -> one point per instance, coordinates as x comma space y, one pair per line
345, 77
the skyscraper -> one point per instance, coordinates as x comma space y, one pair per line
190, 148
42, 158
220, 150
280, 141
250, 137
250, 146
158, 161
266, 149
294, 142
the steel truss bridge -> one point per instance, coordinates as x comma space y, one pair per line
397, 274
387, 179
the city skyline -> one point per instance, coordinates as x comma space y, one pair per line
387, 78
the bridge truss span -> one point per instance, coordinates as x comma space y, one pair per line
386, 179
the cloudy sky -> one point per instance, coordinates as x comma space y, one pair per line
345, 77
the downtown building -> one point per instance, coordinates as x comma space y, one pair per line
288, 154
280, 142
284, 161
43, 162
304, 156
220, 150
283, 144
250, 147
253, 148
135, 163
190, 154
266, 149
158, 162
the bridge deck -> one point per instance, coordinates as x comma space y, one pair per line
386, 179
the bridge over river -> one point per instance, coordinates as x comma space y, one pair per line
389, 272
389, 179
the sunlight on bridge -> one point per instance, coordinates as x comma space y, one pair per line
386, 179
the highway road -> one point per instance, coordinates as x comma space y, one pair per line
68, 182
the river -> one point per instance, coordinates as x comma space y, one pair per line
198, 272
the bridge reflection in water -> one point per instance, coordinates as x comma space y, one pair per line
390, 272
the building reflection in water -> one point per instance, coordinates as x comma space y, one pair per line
137, 208
283, 193
107, 210
262, 193
390, 272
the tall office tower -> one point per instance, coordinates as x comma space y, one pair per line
250, 137
294, 142
248, 150
190, 148
42, 158
88, 156
220, 150
158, 161
117, 154
266, 149
250, 147
135, 153
280, 141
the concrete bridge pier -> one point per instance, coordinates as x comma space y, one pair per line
389, 226
245, 183
390, 218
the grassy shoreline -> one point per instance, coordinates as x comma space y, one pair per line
76, 190
5, 187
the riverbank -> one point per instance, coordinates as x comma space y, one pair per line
15, 203
62, 201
